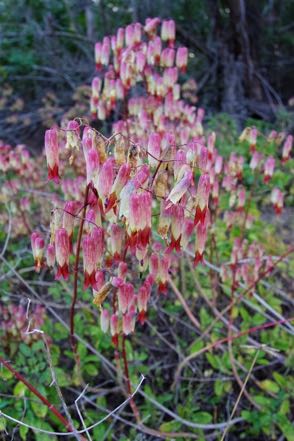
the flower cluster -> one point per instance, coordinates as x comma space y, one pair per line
15, 325
20, 176
151, 190
247, 264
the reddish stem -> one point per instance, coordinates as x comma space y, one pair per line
44, 400
76, 270
127, 378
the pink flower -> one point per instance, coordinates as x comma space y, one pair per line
151, 26
153, 149
114, 328
287, 148
218, 165
120, 181
277, 199
181, 187
269, 167
255, 160
105, 51
98, 53
201, 236
50, 255
116, 238
92, 165
62, 249
52, 154
38, 245
168, 31
105, 179
167, 57
182, 58
125, 297
93, 245
128, 323
202, 197
104, 320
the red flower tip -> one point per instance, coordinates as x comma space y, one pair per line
142, 317
89, 280
53, 174
199, 215
198, 258
62, 272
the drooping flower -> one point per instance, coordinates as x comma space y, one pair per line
202, 197
277, 199
50, 255
38, 245
287, 148
269, 167
62, 250
201, 236
182, 58
52, 154
104, 320
181, 187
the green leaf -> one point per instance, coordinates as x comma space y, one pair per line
19, 389
62, 379
219, 388
286, 427
205, 318
280, 379
2, 424
23, 432
170, 426
5, 374
91, 369
25, 350
196, 346
39, 409
270, 386
202, 417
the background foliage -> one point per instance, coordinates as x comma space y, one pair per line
240, 56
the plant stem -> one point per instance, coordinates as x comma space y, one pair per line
76, 270
241, 393
44, 400
127, 378
225, 340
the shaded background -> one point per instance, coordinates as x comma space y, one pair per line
239, 57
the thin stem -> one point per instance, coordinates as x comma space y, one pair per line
76, 269
127, 378
184, 304
241, 393
44, 400
225, 340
